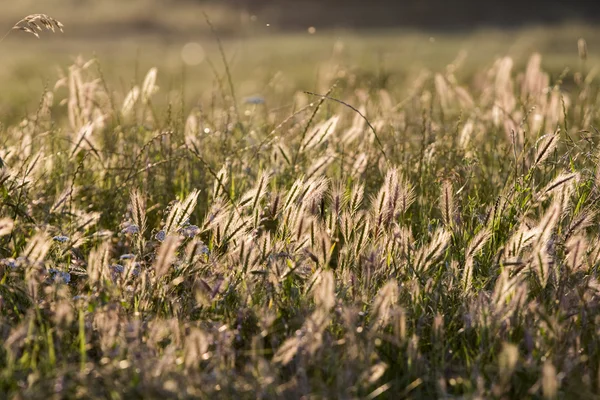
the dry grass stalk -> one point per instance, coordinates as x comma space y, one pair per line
426, 256
98, 268
580, 223
564, 180
393, 199
166, 255
180, 213
507, 362
576, 247
137, 208
383, 305
447, 204
360, 165
149, 86
324, 290
475, 246
37, 248
130, 101
252, 198
6, 226
582, 47
549, 381
36, 23
545, 147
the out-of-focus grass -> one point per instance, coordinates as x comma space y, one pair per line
263, 60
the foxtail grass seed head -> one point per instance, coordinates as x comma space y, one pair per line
432, 238
582, 48
6, 226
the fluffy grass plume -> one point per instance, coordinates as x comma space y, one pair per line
434, 238
36, 23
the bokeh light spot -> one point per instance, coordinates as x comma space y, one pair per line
192, 53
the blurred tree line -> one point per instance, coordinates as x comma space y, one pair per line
442, 14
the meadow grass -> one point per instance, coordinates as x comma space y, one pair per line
274, 64
438, 241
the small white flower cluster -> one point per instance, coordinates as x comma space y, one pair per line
204, 249
130, 229
61, 238
118, 269
57, 275
189, 231
9, 262
160, 235
18, 262
255, 100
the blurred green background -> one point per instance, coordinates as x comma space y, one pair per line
276, 47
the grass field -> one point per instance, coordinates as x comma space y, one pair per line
425, 226
270, 63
